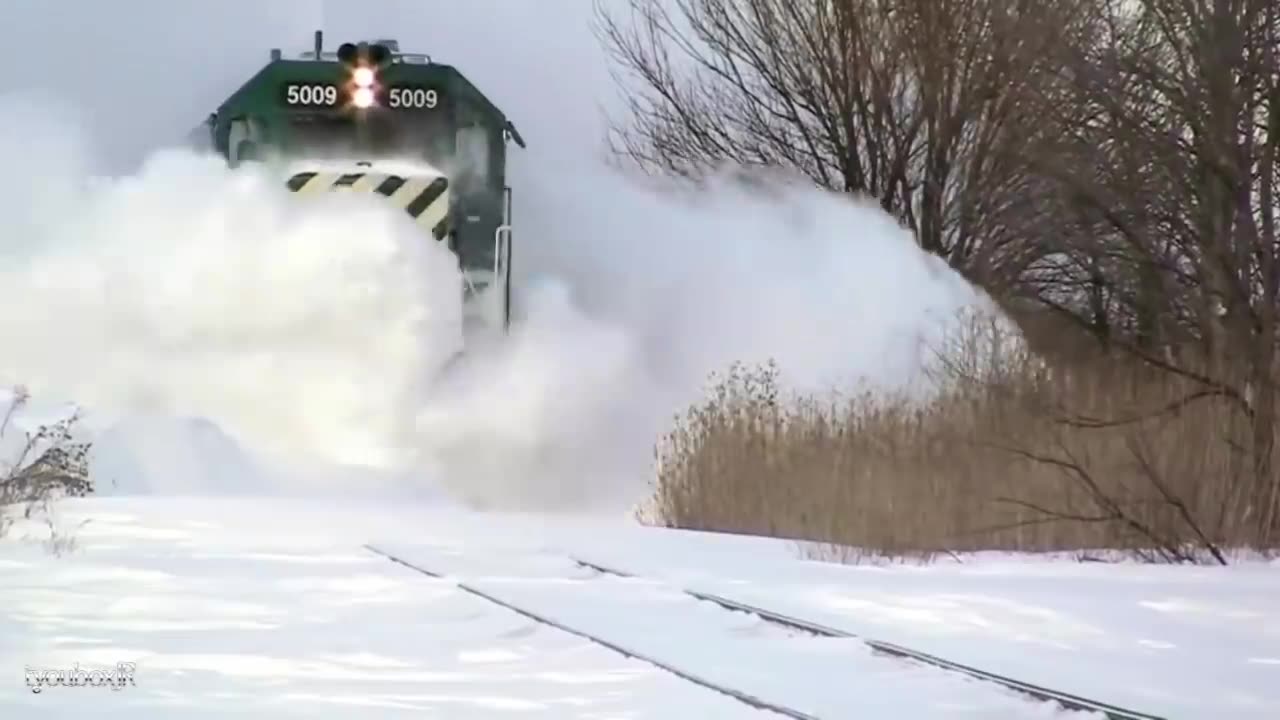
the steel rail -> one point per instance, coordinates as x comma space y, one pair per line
1066, 700
738, 695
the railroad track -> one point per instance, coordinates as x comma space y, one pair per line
1065, 700
738, 695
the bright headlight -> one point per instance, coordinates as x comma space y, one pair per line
362, 97
363, 77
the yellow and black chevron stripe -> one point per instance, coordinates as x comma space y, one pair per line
425, 199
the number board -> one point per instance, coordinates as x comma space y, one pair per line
395, 97
410, 97
316, 95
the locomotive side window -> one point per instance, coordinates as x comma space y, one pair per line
243, 141
473, 154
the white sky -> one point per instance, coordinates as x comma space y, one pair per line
146, 71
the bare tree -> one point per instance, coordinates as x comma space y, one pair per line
1166, 158
918, 103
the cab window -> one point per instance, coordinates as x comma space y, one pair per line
244, 141
473, 154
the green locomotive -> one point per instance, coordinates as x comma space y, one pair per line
369, 118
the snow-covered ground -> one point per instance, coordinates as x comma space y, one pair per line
273, 608
225, 326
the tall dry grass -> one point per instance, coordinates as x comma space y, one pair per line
1012, 453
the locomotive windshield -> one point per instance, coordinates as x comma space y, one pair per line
373, 135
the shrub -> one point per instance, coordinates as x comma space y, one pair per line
48, 465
